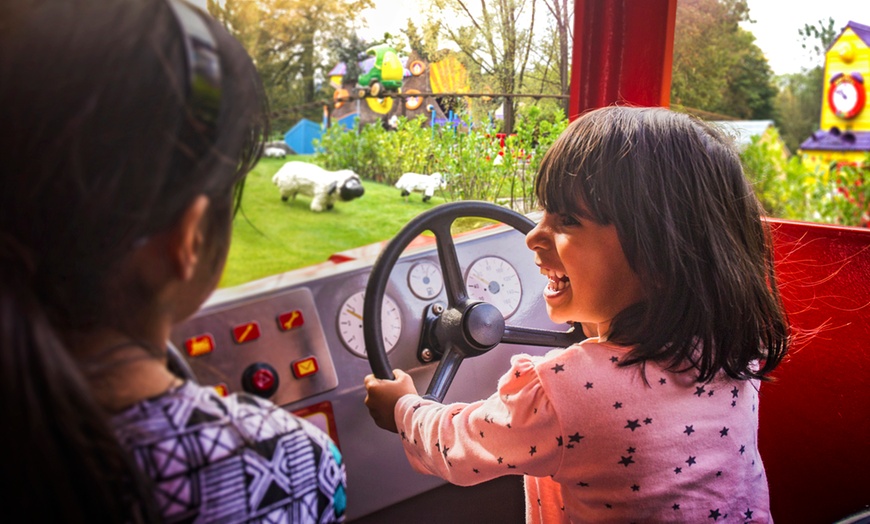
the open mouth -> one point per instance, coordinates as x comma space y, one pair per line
557, 281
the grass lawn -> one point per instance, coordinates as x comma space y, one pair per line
271, 236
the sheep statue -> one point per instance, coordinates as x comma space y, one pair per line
274, 152
325, 187
426, 184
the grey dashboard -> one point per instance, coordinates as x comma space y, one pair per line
296, 338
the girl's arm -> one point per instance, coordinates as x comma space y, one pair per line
513, 432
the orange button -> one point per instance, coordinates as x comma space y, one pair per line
199, 345
290, 320
246, 332
306, 366
222, 390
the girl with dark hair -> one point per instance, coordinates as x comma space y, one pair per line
129, 128
652, 239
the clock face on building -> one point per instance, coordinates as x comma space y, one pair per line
846, 96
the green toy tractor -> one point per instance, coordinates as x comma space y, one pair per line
385, 75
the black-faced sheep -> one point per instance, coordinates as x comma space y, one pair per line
426, 184
325, 187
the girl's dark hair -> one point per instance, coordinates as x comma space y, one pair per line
691, 228
99, 152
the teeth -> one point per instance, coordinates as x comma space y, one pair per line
557, 282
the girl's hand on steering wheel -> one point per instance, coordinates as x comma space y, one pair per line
382, 396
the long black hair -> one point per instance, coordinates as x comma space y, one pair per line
691, 228
99, 151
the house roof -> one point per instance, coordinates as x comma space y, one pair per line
863, 32
836, 140
742, 131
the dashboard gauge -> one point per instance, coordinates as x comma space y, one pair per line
425, 280
494, 280
350, 323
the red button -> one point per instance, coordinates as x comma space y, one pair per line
290, 320
305, 367
262, 380
246, 332
199, 345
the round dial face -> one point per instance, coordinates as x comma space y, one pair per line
846, 97
350, 323
494, 280
425, 280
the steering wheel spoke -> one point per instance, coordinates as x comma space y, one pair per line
453, 281
444, 374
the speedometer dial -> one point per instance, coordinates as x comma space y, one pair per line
494, 280
350, 323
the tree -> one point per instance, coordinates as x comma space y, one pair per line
289, 41
717, 67
496, 43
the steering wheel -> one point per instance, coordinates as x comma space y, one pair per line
467, 327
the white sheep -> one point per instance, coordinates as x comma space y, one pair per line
325, 187
426, 184
274, 152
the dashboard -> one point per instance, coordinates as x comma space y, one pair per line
297, 339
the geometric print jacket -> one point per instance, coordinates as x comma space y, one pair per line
233, 459
598, 442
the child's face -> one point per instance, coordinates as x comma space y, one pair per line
589, 278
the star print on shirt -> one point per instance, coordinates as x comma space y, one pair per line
635, 487
734, 392
632, 425
742, 449
723, 432
481, 435
630, 450
614, 359
444, 451
663, 381
676, 507
558, 441
625, 461
417, 406
583, 484
533, 450
691, 460
748, 514
647, 420
588, 385
678, 470
517, 374
557, 368
710, 393
714, 514
575, 437
500, 460
617, 405
700, 391
689, 430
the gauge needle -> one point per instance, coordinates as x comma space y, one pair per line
354, 313
478, 277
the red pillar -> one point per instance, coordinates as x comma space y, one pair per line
623, 50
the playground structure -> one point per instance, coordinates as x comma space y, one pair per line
844, 135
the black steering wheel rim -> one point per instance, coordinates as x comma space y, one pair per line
438, 220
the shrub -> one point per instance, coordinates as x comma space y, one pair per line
478, 164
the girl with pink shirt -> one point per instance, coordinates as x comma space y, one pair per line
651, 238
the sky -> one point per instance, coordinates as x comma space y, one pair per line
775, 29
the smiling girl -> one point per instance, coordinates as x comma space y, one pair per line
652, 238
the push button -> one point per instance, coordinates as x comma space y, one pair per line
290, 320
305, 367
260, 379
246, 332
199, 345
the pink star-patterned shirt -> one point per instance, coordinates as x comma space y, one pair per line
597, 443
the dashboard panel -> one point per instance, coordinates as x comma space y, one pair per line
296, 339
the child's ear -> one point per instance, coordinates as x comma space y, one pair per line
186, 238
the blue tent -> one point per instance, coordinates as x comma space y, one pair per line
301, 135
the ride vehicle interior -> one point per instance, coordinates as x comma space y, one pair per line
451, 310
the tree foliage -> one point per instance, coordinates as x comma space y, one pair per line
496, 40
289, 41
717, 67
